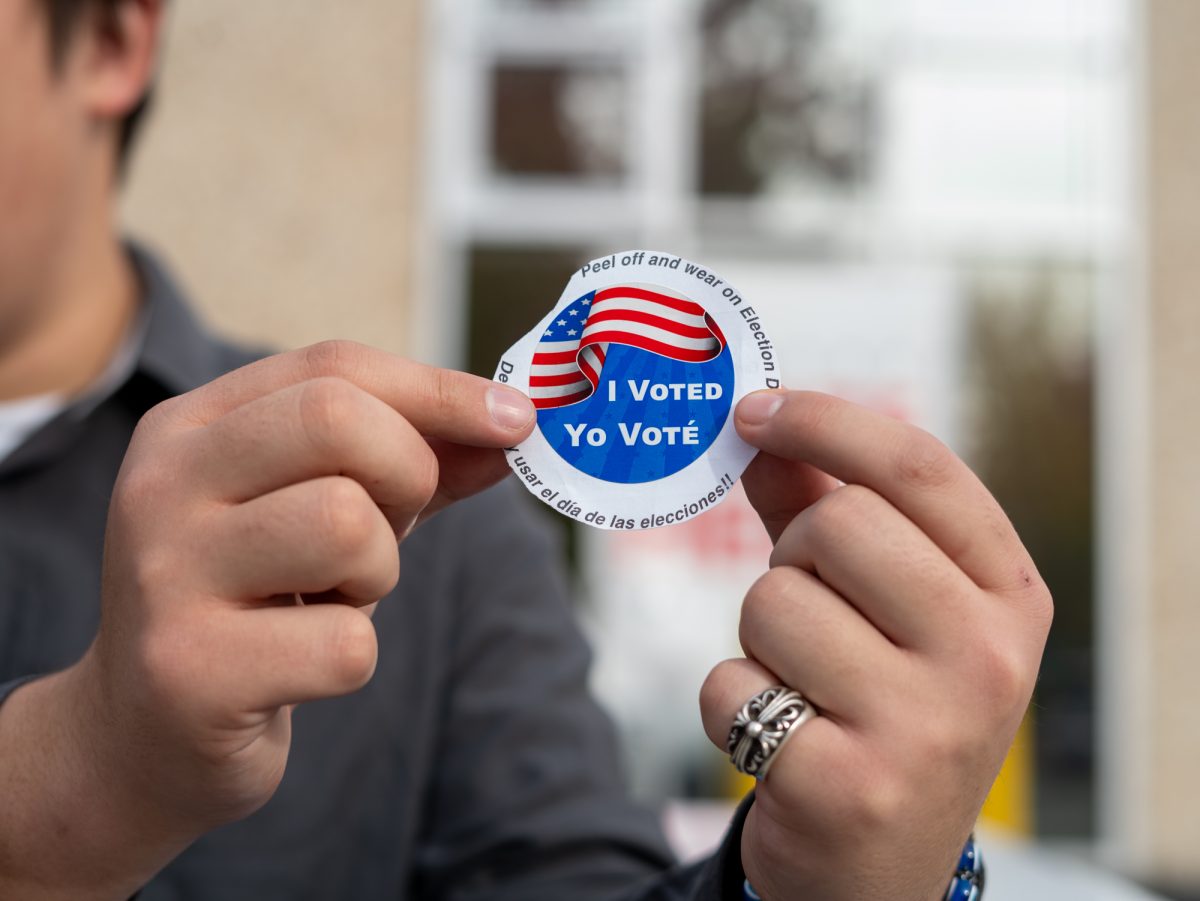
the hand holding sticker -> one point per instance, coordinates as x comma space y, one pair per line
634, 374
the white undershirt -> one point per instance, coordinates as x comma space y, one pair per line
21, 418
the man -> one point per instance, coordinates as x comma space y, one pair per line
176, 722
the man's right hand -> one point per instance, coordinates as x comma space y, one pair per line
291, 478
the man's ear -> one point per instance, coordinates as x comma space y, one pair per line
115, 56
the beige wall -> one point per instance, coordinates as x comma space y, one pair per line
1173, 270
278, 170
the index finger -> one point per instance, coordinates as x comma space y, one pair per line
918, 474
454, 406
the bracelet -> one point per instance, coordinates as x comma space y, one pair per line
965, 885
967, 882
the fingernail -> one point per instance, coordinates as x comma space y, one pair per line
508, 408
757, 408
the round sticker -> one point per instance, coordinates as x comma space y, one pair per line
634, 374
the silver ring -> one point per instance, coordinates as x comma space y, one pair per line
762, 726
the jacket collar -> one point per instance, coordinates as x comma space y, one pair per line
178, 351
176, 354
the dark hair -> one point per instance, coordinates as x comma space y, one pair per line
64, 18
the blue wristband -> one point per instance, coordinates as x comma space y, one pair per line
967, 882
965, 885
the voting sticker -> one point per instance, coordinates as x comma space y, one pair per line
634, 374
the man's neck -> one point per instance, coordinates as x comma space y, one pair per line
77, 328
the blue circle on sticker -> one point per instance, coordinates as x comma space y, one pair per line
632, 383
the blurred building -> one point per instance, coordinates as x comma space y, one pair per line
974, 215
927, 201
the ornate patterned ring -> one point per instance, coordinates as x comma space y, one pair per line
762, 726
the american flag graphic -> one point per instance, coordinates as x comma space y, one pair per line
570, 355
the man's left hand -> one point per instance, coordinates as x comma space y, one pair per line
902, 604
